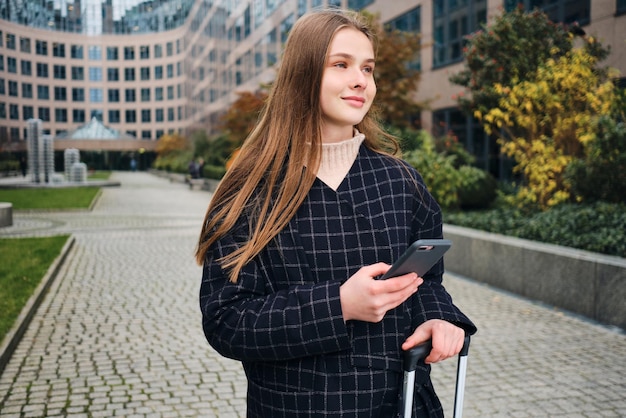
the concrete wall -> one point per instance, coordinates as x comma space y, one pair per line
586, 283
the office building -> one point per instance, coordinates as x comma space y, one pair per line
145, 68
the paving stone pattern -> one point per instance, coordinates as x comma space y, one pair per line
119, 333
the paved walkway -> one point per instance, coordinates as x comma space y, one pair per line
119, 333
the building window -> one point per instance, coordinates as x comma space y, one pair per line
95, 74
58, 50
158, 51
452, 21
78, 95
158, 115
170, 70
12, 65
170, 92
170, 114
2, 91
169, 48
112, 53
78, 116
94, 53
145, 95
130, 95
25, 45
42, 70
59, 72
145, 115
27, 67
14, 112
114, 116
114, 95
13, 88
78, 73
43, 92
472, 136
408, 22
43, 113
144, 52
96, 95
27, 90
41, 47
113, 74
60, 115
60, 94
144, 73
158, 72
158, 94
621, 6
3, 110
1, 62
28, 112
146, 135
10, 43
564, 11
131, 116
359, 4
76, 52
129, 53
129, 74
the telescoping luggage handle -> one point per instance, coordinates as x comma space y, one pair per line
420, 352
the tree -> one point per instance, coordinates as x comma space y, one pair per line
396, 77
242, 116
509, 51
545, 122
170, 143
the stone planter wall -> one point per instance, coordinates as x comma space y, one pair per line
586, 283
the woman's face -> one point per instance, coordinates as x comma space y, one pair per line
348, 87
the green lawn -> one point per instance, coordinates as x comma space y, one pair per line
24, 263
49, 198
54, 197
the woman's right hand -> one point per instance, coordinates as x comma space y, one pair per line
364, 298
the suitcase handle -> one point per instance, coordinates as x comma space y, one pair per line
421, 351
415, 354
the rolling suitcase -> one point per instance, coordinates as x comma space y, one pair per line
413, 356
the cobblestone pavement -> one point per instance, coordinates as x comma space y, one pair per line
119, 333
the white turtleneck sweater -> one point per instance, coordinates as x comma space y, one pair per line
337, 159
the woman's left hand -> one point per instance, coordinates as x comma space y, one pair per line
447, 339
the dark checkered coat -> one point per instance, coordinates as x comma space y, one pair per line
283, 321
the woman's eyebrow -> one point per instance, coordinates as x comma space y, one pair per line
348, 56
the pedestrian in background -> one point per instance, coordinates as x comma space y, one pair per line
315, 208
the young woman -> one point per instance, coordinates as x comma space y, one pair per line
314, 208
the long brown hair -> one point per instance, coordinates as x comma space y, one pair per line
275, 164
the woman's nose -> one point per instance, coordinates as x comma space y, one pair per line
360, 80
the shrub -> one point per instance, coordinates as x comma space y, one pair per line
599, 227
601, 174
441, 177
215, 172
452, 184
477, 189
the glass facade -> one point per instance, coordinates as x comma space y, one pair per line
564, 11
95, 17
452, 21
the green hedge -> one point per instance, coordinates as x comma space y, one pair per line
599, 227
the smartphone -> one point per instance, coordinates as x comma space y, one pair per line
419, 257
